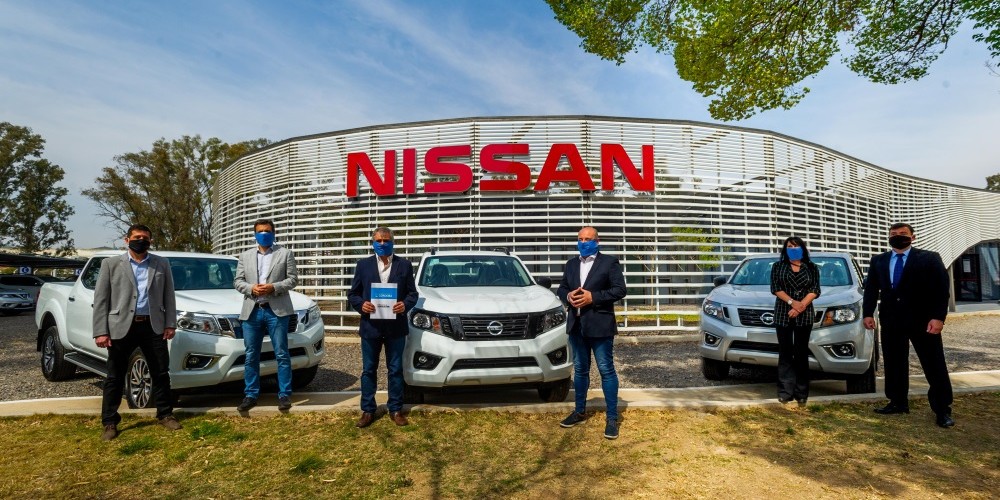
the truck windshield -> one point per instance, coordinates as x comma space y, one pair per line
472, 270
833, 271
202, 273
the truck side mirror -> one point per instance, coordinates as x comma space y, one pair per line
719, 281
544, 282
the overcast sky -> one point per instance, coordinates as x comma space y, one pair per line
98, 79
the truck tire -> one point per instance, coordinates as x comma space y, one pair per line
138, 382
864, 383
555, 392
412, 395
54, 365
714, 369
303, 376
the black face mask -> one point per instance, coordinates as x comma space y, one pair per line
900, 241
138, 246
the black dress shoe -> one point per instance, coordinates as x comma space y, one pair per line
945, 421
892, 408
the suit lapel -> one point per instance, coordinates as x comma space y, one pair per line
128, 269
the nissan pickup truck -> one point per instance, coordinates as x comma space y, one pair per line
482, 320
207, 348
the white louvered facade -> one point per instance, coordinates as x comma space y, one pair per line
721, 193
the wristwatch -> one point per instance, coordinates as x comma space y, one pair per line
790, 301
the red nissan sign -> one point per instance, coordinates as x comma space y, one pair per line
453, 162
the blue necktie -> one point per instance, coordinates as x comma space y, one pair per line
897, 271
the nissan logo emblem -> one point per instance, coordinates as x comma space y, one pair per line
767, 318
495, 328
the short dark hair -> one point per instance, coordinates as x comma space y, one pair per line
901, 225
383, 230
137, 227
263, 222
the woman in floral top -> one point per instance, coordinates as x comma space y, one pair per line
795, 284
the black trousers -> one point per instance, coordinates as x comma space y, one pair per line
154, 348
793, 361
896, 356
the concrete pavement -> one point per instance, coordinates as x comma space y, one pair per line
728, 396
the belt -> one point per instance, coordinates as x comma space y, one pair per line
140, 318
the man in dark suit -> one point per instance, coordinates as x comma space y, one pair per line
264, 275
134, 306
383, 267
914, 289
590, 286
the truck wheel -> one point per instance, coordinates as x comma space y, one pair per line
303, 376
555, 392
138, 382
54, 365
714, 369
864, 383
412, 395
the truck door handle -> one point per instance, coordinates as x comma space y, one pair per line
72, 299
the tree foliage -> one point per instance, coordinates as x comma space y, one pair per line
33, 208
993, 182
749, 56
168, 188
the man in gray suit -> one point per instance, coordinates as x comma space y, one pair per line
265, 274
134, 308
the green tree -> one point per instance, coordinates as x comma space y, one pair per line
993, 182
33, 208
749, 56
168, 188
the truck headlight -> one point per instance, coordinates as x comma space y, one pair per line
715, 310
431, 322
201, 323
842, 314
312, 314
550, 319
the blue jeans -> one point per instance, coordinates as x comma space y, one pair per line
603, 349
370, 351
262, 319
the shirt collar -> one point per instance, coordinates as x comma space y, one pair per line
139, 262
269, 250
589, 258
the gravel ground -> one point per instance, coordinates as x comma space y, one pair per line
972, 343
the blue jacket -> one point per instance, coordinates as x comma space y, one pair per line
606, 284
366, 273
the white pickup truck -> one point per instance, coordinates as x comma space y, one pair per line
208, 347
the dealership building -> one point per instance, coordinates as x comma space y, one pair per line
678, 202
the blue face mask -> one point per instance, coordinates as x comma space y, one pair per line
382, 249
587, 248
264, 238
794, 253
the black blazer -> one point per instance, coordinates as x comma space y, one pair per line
606, 284
922, 294
366, 273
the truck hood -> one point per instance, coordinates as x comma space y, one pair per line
227, 302
487, 300
760, 296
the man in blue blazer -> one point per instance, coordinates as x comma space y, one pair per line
914, 288
383, 267
264, 275
590, 286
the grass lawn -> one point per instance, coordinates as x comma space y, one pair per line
822, 451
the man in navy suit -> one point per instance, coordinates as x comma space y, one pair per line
383, 267
914, 287
590, 286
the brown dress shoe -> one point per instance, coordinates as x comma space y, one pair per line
110, 432
398, 418
170, 423
365, 420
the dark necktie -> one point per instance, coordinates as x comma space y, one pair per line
897, 271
